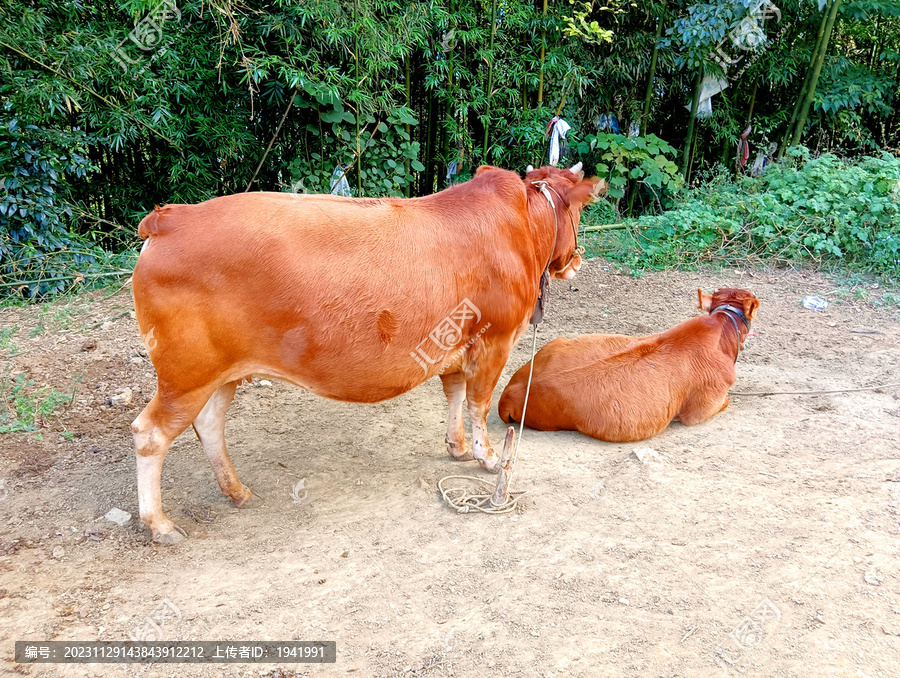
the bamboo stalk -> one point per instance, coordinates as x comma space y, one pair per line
408, 101
604, 227
22, 283
487, 105
648, 96
695, 104
801, 95
99, 96
540, 99
271, 141
752, 102
817, 71
359, 190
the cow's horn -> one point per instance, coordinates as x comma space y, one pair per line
576, 168
528, 169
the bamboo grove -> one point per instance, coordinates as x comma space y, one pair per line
111, 106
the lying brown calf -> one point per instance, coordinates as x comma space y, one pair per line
621, 389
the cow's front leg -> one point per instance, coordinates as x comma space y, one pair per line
455, 389
479, 389
481, 444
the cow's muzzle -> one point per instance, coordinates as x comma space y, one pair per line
568, 271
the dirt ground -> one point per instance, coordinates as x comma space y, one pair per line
764, 542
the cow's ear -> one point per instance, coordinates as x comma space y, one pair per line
483, 168
587, 191
705, 301
750, 306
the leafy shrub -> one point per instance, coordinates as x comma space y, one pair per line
619, 158
822, 210
387, 156
39, 255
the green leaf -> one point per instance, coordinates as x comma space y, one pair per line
333, 116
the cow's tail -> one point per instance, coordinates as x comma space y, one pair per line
152, 223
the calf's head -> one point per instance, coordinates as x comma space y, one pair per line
729, 296
733, 298
569, 192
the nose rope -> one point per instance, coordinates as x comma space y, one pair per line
545, 188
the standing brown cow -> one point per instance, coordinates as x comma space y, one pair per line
354, 299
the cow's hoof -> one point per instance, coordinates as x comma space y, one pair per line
172, 538
460, 452
249, 501
491, 464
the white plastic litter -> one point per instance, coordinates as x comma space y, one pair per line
339, 183
814, 303
560, 129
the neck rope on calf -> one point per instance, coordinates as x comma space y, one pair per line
727, 310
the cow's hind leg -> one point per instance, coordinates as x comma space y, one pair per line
455, 389
210, 428
154, 430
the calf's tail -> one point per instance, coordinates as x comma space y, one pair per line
510, 406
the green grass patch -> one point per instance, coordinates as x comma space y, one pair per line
24, 408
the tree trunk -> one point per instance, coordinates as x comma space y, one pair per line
817, 70
695, 104
648, 97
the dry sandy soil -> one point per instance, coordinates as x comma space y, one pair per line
763, 543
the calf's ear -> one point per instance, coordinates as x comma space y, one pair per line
705, 301
750, 306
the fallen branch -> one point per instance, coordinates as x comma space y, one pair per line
840, 390
22, 283
604, 227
